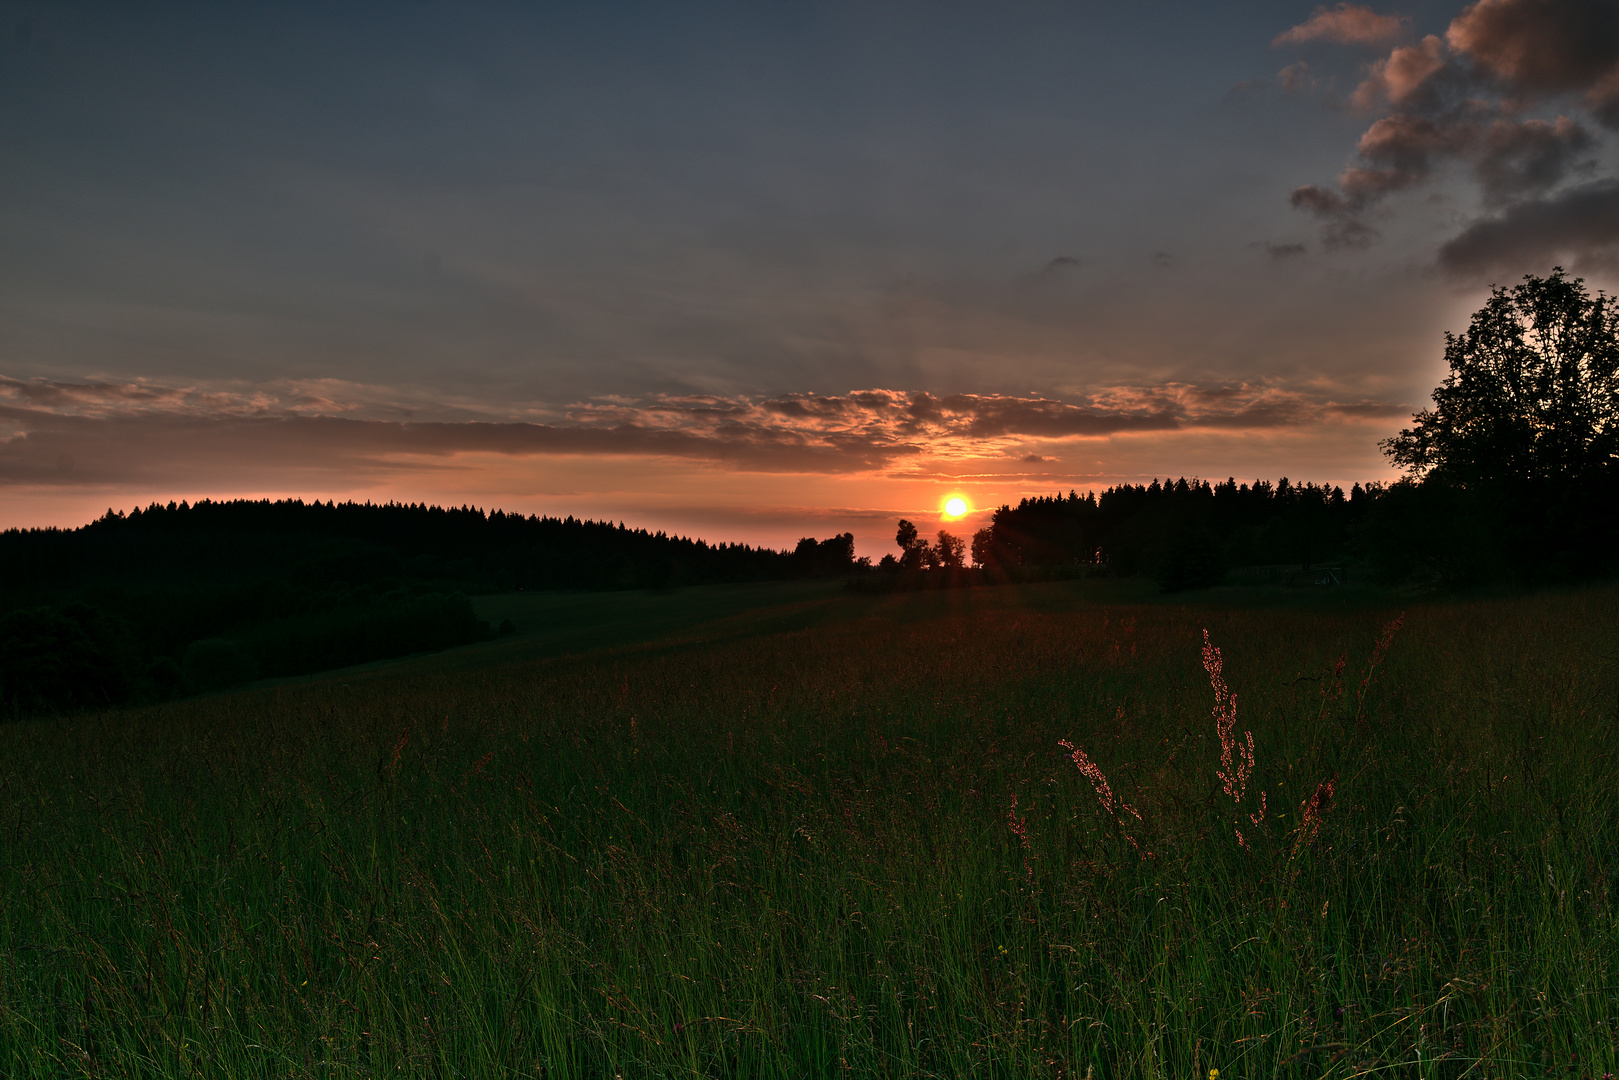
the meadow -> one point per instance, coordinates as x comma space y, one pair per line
785, 831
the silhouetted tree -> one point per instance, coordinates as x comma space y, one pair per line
913, 549
1532, 394
984, 547
824, 558
949, 551
1523, 437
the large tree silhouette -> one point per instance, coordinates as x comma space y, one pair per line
1532, 394
1518, 460
913, 548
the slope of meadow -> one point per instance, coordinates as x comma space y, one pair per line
841, 835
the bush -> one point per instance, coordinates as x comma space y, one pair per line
60, 658
214, 664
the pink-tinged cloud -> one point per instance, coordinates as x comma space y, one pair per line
1346, 24
1463, 98
1407, 143
76, 433
1296, 78
1539, 47
1510, 159
1405, 73
1401, 150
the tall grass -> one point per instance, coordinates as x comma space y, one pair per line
857, 848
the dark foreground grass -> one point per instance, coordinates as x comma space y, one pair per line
796, 853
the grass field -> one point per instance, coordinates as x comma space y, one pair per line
786, 831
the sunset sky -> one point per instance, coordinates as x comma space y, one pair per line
762, 271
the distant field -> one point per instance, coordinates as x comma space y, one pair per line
782, 830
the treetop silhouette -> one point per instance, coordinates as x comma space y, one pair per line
1532, 395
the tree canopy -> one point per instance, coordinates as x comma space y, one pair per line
1515, 470
1532, 394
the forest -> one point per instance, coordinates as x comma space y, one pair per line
1512, 476
1185, 533
188, 598
181, 599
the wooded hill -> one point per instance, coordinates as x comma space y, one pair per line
184, 598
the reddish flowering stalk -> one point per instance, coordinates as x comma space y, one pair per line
1314, 809
1098, 779
1104, 792
1236, 759
1335, 689
1017, 824
1378, 651
1332, 689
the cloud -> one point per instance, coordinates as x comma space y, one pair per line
108, 398
1062, 270
1278, 252
1463, 98
1406, 143
1580, 226
1401, 149
1529, 156
1343, 229
1320, 201
1348, 235
1405, 75
1541, 47
1603, 99
1510, 159
1296, 78
1346, 24
64, 433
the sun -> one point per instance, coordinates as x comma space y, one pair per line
955, 506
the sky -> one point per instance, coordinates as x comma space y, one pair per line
756, 272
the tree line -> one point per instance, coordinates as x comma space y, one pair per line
184, 598
1514, 471
1512, 475
479, 551
1187, 533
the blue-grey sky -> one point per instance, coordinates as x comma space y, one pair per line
753, 272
